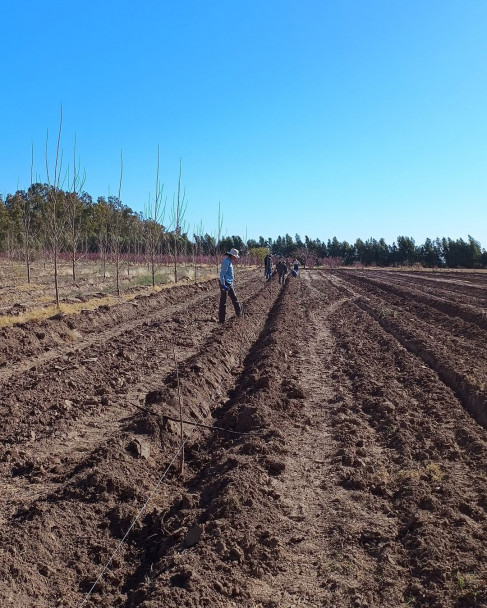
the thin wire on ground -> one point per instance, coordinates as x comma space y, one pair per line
134, 521
198, 424
180, 451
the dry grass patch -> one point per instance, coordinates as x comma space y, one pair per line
26, 287
40, 314
44, 312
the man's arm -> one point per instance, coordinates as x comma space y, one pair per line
223, 272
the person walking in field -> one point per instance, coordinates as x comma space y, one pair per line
268, 266
281, 268
226, 286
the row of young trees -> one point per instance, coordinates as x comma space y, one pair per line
46, 218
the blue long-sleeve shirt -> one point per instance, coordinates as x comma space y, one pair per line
226, 272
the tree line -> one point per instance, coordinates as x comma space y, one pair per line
45, 219
433, 253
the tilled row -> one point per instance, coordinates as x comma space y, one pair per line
410, 460
57, 413
464, 289
465, 377
221, 543
36, 341
42, 340
90, 377
470, 309
65, 535
452, 346
393, 506
452, 285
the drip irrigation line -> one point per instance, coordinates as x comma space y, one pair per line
134, 521
207, 426
198, 424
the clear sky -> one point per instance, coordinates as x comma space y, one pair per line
346, 118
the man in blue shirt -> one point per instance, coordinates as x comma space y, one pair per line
226, 286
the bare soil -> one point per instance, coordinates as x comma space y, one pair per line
93, 280
345, 463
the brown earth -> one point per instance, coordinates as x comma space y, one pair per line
92, 282
345, 465
17, 296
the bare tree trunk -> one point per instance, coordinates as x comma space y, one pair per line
179, 209
118, 213
128, 259
27, 235
74, 210
175, 258
154, 216
56, 285
54, 226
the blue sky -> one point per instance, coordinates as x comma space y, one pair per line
353, 119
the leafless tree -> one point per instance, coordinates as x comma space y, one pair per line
116, 209
102, 222
74, 212
54, 206
198, 235
178, 212
154, 216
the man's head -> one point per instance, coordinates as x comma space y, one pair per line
233, 254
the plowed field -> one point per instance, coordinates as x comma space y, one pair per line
336, 456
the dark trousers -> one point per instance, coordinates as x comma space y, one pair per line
223, 304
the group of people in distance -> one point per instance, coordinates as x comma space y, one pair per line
282, 268
227, 279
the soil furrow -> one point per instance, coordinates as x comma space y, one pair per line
91, 480
403, 457
353, 477
60, 411
47, 340
451, 347
468, 313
